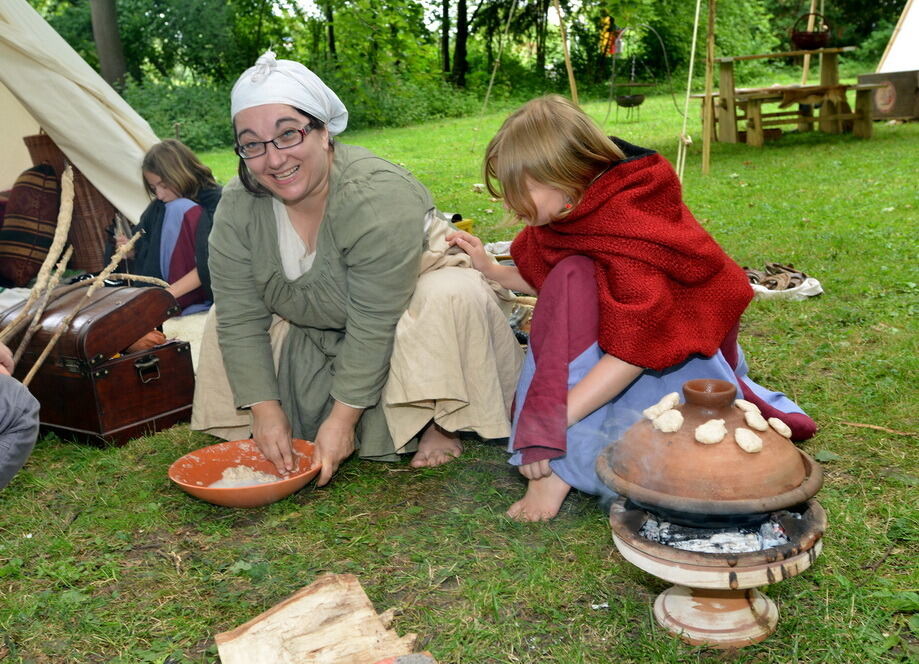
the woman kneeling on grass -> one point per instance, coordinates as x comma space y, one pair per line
635, 297
340, 315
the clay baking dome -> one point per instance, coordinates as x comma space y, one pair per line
674, 471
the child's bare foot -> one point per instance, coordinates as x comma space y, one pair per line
436, 447
543, 499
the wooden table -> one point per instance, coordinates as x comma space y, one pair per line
734, 105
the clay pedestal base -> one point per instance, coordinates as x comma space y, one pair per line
716, 618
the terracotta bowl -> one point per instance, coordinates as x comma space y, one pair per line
195, 471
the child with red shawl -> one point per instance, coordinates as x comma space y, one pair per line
635, 297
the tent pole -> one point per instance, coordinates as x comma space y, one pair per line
571, 82
807, 56
708, 110
685, 140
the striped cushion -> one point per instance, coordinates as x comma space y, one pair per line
28, 224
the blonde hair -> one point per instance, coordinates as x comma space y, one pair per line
178, 168
552, 141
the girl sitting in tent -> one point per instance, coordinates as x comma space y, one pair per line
177, 223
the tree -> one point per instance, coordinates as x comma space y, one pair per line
330, 27
108, 42
460, 61
445, 34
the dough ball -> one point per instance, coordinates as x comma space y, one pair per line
711, 432
668, 421
668, 402
746, 406
780, 427
755, 420
747, 440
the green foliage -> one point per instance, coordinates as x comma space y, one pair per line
384, 59
202, 111
397, 102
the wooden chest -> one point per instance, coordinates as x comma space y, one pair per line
90, 386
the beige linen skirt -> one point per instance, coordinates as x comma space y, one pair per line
455, 358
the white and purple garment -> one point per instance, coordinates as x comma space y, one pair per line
177, 250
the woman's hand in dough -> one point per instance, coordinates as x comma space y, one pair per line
271, 433
536, 470
474, 248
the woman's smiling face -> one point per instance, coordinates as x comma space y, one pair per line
292, 174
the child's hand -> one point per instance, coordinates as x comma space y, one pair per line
120, 240
474, 248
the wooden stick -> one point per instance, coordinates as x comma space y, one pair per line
65, 323
16, 326
571, 82
42, 303
708, 110
140, 278
810, 28
877, 428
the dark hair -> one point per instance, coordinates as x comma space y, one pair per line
178, 168
248, 180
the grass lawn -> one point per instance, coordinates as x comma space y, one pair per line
103, 560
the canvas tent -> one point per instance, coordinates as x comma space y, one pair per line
45, 83
902, 53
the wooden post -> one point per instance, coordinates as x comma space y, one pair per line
727, 105
807, 56
571, 82
708, 108
755, 135
829, 76
861, 126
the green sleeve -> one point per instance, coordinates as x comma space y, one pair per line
380, 229
242, 317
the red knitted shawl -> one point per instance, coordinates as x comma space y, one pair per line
667, 290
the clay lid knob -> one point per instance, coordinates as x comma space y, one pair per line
709, 393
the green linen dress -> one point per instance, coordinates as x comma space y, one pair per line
343, 311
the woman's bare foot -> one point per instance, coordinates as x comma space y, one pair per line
541, 502
436, 447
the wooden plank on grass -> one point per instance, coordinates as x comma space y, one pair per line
331, 621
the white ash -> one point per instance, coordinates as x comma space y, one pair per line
716, 540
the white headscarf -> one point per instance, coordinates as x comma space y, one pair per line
273, 81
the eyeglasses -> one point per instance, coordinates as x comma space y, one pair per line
288, 139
